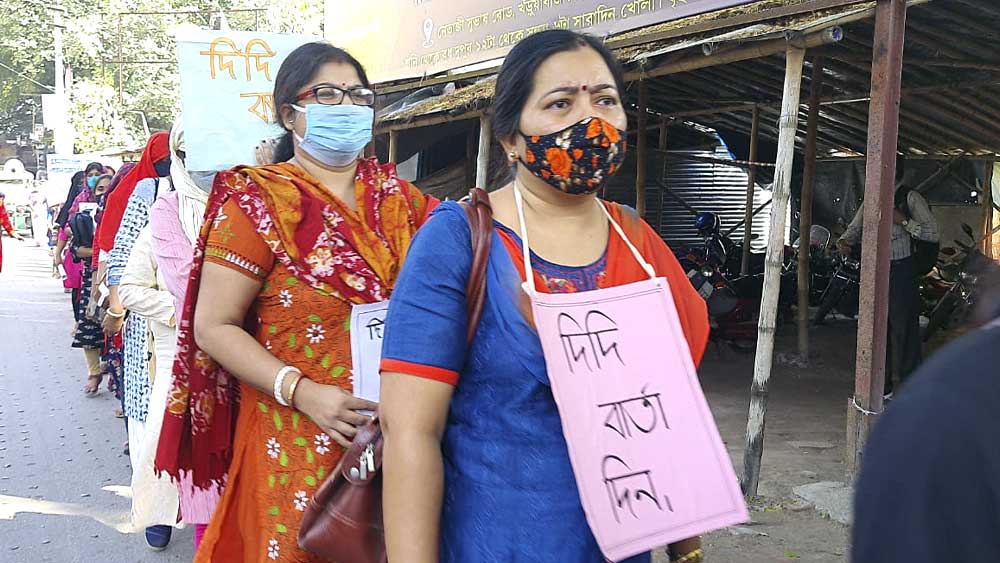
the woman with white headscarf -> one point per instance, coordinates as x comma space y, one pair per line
176, 222
153, 286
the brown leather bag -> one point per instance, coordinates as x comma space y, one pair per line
343, 522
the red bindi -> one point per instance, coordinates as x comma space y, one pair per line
584, 87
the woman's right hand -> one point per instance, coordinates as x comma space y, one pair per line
333, 409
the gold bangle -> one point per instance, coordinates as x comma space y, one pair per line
693, 556
291, 389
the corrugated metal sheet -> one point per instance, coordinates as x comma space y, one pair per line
704, 186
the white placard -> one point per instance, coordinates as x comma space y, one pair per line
367, 328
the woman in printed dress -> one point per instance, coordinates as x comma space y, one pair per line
286, 251
87, 331
134, 328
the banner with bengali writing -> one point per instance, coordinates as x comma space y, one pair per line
227, 80
397, 39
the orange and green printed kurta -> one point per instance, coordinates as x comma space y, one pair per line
280, 457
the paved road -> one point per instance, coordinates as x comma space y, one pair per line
64, 494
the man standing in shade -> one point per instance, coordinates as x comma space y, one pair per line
912, 221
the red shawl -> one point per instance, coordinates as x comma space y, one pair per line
324, 244
156, 150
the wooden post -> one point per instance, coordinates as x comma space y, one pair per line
880, 183
640, 151
471, 155
787, 127
483, 160
751, 187
806, 209
393, 146
988, 209
663, 180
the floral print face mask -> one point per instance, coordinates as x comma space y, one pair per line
579, 159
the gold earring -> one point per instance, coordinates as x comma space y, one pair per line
512, 155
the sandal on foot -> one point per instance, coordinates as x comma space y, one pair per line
93, 386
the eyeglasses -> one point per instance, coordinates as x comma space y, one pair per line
333, 96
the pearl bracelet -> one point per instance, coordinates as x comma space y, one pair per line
279, 382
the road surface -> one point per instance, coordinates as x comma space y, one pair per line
64, 479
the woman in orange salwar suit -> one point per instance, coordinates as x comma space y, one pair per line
286, 251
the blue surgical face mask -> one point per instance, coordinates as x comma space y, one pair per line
336, 135
91, 182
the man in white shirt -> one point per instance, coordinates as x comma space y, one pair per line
912, 221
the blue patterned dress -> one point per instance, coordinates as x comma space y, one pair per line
134, 336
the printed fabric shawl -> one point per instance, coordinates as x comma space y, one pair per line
322, 242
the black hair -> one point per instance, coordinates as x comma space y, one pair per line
517, 75
94, 166
298, 70
75, 185
2, 195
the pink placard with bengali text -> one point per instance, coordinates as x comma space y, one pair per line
650, 465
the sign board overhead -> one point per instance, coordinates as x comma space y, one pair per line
397, 39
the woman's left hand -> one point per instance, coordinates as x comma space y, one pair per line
265, 152
111, 325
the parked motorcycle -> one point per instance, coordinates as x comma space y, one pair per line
843, 291
958, 279
821, 265
733, 300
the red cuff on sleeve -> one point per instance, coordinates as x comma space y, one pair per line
420, 370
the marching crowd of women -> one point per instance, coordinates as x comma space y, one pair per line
217, 303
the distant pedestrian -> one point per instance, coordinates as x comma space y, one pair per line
79, 234
5, 223
39, 218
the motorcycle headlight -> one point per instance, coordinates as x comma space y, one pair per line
707, 272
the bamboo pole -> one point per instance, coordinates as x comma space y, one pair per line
758, 50
788, 126
483, 160
640, 150
988, 210
751, 187
664, 127
393, 146
806, 209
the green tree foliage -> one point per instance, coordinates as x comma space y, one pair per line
106, 98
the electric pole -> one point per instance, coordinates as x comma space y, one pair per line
62, 129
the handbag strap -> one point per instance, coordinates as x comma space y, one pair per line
480, 214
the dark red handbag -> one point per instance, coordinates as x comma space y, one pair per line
343, 522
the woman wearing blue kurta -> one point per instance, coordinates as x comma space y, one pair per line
137, 381
476, 465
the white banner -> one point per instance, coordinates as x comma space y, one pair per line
227, 80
